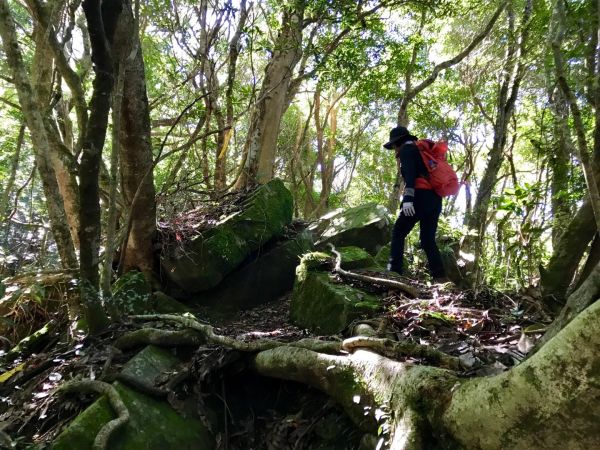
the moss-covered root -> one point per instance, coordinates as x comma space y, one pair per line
101, 440
161, 338
552, 400
395, 349
376, 392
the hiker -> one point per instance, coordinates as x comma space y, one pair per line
419, 204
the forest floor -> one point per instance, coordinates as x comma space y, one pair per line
488, 330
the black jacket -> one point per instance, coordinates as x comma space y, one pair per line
411, 167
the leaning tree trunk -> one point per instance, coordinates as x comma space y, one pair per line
558, 274
30, 105
261, 142
135, 150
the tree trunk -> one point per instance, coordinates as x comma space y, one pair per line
514, 71
30, 105
101, 22
261, 142
557, 276
41, 72
135, 147
559, 163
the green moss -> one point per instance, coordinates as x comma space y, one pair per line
355, 258
153, 425
325, 307
203, 262
150, 363
131, 294
531, 378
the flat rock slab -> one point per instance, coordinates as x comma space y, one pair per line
367, 226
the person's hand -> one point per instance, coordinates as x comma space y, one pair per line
408, 209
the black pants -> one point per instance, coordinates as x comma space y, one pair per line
428, 206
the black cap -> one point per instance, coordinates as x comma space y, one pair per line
399, 135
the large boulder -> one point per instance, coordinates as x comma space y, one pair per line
205, 260
152, 425
266, 277
323, 305
367, 226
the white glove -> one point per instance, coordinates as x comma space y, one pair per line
408, 209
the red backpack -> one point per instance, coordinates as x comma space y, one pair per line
442, 178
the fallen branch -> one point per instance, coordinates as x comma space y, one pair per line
393, 284
395, 349
85, 386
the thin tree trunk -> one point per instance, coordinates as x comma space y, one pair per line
10, 183
101, 26
514, 71
30, 105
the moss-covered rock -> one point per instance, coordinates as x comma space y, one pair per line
164, 304
268, 276
204, 261
383, 255
153, 425
367, 226
322, 305
150, 363
131, 294
355, 258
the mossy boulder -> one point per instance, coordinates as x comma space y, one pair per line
150, 363
203, 262
367, 226
164, 304
323, 305
153, 424
267, 276
355, 258
382, 257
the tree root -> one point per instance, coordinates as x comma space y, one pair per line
211, 337
395, 349
161, 338
85, 386
394, 284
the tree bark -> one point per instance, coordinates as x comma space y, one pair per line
29, 101
43, 62
135, 148
101, 20
261, 142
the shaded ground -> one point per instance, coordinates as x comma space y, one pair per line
489, 330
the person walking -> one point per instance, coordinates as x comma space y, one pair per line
419, 204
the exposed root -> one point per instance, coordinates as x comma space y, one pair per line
103, 436
162, 338
208, 333
395, 349
394, 284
